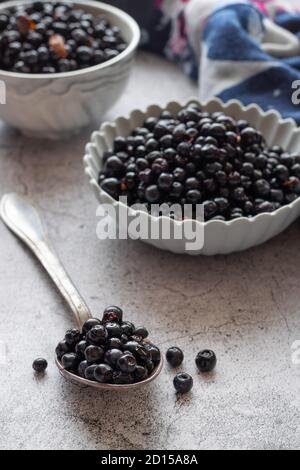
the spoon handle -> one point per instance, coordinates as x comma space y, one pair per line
24, 220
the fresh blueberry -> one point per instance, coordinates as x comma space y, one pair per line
112, 356
183, 383
127, 363
40, 365
206, 360
174, 356
70, 361
97, 335
103, 373
112, 314
89, 324
72, 336
94, 354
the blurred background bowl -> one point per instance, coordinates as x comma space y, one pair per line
58, 105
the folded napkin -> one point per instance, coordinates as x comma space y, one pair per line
248, 50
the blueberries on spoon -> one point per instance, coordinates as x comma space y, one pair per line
109, 350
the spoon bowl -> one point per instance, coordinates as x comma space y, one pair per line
24, 220
76, 380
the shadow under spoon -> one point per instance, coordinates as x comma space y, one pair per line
23, 218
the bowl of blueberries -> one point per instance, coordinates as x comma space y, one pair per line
63, 64
241, 165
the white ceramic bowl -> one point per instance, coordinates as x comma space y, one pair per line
55, 105
219, 237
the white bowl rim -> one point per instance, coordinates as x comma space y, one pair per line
215, 223
83, 3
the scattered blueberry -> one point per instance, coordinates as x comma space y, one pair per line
40, 365
206, 361
183, 383
174, 356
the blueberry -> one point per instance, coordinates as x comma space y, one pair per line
139, 351
94, 354
82, 368
113, 330
127, 328
281, 172
193, 196
103, 373
154, 352
97, 335
31, 57
140, 373
210, 209
70, 361
127, 363
112, 356
114, 343
141, 331
90, 372
62, 348
160, 165
121, 378
183, 383
165, 181
262, 188
174, 356
249, 136
72, 336
80, 348
112, 314
206, 361
40, 365
265, 206
89, 324
152, 194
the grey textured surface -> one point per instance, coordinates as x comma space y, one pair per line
245, 307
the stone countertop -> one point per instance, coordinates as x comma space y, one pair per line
244, 306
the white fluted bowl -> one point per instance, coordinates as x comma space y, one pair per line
58, 105
219, 237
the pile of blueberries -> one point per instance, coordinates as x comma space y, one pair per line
109, 351
200, 158
55, 37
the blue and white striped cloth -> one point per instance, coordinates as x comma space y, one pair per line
248, 50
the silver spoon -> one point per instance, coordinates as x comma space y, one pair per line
24, 220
